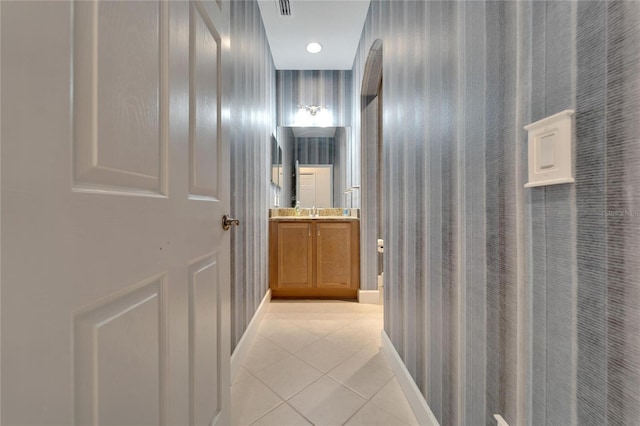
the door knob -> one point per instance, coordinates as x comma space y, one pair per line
228, 222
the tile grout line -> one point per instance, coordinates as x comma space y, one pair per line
359, 316
297, 392
283, 348
280, 405
285, 400
282, 401
370, 400
358, 393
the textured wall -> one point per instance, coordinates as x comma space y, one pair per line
253, 122
608, 211
328, 88
370, 218
340, 166
500, 299
316, 150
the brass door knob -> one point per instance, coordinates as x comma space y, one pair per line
228, 222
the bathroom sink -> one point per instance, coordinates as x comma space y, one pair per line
314, 218
305, 214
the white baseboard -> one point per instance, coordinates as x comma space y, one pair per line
242, 349
371, 297
418, 404
500, 421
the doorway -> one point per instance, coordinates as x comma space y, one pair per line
316, 185
372, 219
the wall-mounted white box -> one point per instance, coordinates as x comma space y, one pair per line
550, 150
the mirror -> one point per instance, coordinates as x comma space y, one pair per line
313, 166
276, 172
276, 161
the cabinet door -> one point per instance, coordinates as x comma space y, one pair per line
295, 267
336, 255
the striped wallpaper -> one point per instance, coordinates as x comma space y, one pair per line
253, 122
315, 150
330, 89
500, 299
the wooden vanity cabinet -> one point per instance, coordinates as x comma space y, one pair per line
314, 258
295, 255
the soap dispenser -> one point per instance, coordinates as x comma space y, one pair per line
297, 208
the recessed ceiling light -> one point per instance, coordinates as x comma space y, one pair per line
314, 47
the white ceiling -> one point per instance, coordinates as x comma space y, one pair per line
336, 25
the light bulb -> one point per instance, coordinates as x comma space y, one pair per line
314, 47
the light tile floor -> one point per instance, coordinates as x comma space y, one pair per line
318, 363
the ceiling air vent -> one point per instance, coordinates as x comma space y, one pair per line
284, 6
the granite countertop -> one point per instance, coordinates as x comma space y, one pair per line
305, 214
328, 218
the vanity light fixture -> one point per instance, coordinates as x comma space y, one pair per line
312, 109
314, 47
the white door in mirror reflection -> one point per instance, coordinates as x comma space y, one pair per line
315, 187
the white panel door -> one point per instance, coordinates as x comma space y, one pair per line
115, 178
307, 196
316, 186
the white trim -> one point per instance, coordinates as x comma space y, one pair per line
0, 255
242, 349
371, 297
418, 404
500, 420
